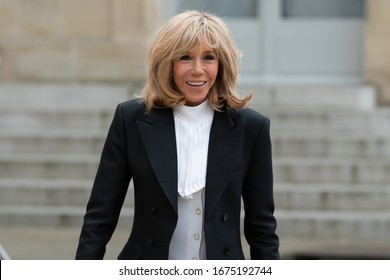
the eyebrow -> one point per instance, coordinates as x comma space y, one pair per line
206, 51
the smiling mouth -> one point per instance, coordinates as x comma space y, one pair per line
195, 84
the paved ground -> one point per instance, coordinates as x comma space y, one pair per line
27, 242
32, 242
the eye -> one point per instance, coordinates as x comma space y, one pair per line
185, 57
209, 56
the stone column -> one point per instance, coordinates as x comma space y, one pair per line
377, 48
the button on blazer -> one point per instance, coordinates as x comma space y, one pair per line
142, 147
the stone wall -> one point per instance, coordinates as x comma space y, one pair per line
75, 40
377, 47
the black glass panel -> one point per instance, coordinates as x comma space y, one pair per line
222, 8
322, 8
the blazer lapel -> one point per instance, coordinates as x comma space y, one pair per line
223, 147
158, 135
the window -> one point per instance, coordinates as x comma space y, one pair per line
222, 8
322, 8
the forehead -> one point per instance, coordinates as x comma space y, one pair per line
201, 46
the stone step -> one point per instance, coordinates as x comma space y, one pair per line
326, 144
36, 192
286, 169
368, 225
289, 119
54, 118
49, 192
295, 223
302, 120
359, 96
64, 95
331, 170
62, 216
54, 141
332, 197
289, 144
48, 166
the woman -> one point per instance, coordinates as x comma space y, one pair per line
192, 151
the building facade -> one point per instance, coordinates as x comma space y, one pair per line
284, 42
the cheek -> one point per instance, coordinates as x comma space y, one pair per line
178, 73
175, 76
214, 72
213, 76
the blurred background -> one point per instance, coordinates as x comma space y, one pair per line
320, 69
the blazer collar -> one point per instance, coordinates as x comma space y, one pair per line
225, 138
158, 135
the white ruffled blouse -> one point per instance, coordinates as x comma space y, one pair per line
192, 128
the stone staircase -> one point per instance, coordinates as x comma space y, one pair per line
50, 142
331, 164
331, 150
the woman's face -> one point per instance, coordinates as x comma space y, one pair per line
195, 72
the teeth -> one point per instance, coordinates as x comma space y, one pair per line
196, 83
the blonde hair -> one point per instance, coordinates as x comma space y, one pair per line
175, 39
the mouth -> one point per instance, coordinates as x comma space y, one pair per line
196, 84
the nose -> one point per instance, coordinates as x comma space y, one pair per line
197, 67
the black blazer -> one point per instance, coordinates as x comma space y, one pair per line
142, 147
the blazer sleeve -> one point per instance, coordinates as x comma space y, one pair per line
108, 193
259, 222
